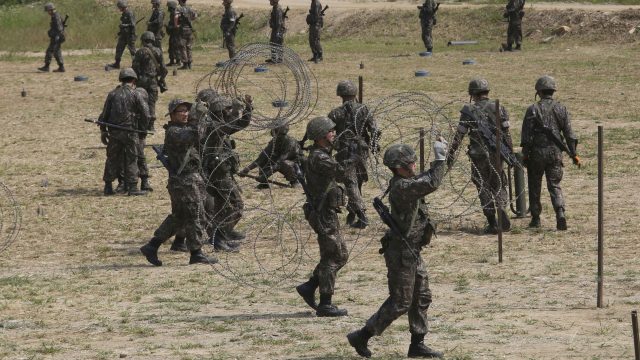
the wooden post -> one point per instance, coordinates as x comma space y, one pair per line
499, 171
600, 215
421, 149
360, 85
636, 338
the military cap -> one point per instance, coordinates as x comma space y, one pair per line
49, 6
173, 104
546, 82
477, 86
220, 103
319, 127
172, 4
399, 155
280, 130
147, 36
346, 88
127, 73
207, 95
121, 4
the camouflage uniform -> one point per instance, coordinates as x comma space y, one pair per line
143, 168
121, 108
514, 13
126, 36
278, 29
155, 24
56, 38
185, 16
315, 22
427, 21
229, 28
174, 35
149, 65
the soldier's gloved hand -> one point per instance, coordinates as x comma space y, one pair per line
440, 148
244, 172
576, 161
104, 137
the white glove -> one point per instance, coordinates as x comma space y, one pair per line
440, 147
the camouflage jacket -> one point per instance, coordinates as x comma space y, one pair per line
127, 23
123, 106
356, 130
228, 21
283, 147
514, 11
181, 145
155, 23
314, 18
550, 114
276, 21
321, 171
428, 11
186, 16
56, 28
148, 62
171, 26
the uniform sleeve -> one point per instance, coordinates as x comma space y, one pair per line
106, 111
143, 110
325, 164
462, 130
183, 136
505, 125
424, 183
565, 122
59, 27
265, 155
527, 130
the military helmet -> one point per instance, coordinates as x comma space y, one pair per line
207, 95
220, 103
127, 73
546, 82
280, 130
172, 4
399, 155
346, 88
121, 4
155, 2
477, 86
173, 104
319, 127
49, 6
147, 36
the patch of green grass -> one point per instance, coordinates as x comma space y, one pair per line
47, 349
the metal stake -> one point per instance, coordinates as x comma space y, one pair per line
600, 215
499, 170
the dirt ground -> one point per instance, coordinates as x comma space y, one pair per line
74, 285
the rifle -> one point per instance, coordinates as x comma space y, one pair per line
323, 10
64, 22
268, 180
308, 205
284, 14
557, 141
119, 127
231, 31
490, 140
385, 216
125, 26
162, 157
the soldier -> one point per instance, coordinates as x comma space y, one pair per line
357, 134
143, 169
155, 23
321, 171
122, 107
428, 21
491, 187
514, 12
127, 33
174, 36
182, 20
229, 27
544, 125
280, 155
407, 276
56, 38
315, 22
186, 186
278, 29
149, 66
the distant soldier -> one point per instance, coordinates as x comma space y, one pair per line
514, 12
149, 66
357, 135
280, 155
315, 22
229, 26
183, 20
56, 38
544, 126
278, 29
428, 21
174, 34
491, 185
127, 33
321, 171
123, 106
186, 187
406, 271
155, 23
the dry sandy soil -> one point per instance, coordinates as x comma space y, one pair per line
74, 286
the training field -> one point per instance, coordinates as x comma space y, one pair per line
73, 285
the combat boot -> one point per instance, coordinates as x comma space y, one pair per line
351, 217
359, 340
60, 69
235, 235
418, 349
220, 243
561, 220
150, 251
308, 291
122, 187
198, 257
326, 309
133, 190
108, 189
170, 63
319, 57
504, 218
189, 65
362, 221
492, 225
535, 221
518, 47
115, 65
144, 184
185, 66
45, 68
179, 245
430, 50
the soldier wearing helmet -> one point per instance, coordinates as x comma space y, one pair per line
514, 12
126, 35
278, 30
545, 125
186, 187
183, 19
149, 65
56, 38
357, 136
476, 117
316, 22
408, 281
280, 155
123, 107
321, 172
229, 26
428, 21
155, 23
174, 34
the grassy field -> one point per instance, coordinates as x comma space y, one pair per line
74, 285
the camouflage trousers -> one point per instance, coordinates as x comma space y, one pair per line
276, 52
514, 33
143, 169
408, 293
158, 42
54, 50
314, 40
167, 229
230, 44
150, 84
355, 174
186, 43
227, 200
427, 28
333, 250
284, 167
174, 47
125, 41
122, 157
491, 187
545, 161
